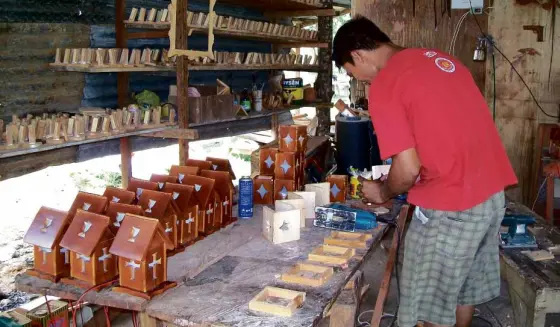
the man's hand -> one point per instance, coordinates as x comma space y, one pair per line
372, 191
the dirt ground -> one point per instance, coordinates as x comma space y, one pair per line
57, 186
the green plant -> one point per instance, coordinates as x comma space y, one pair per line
81, 182
244, 157
110, 178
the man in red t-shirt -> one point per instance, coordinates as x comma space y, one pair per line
431, 119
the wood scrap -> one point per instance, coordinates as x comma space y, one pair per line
539, 255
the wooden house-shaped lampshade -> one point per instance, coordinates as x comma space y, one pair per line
141, 246
224, 186
116, 212
88, 238
181, 171
187, 207
118, 195
220, 164
50, 260
203, 192
139, 185
162, 179
158, 205
263, 189
88, 202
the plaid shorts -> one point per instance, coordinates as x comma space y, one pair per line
451, 259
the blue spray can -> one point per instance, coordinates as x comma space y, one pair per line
245, 203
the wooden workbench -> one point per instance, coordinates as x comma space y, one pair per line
219, 275
534, 287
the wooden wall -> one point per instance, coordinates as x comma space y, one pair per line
517, 116
419, 29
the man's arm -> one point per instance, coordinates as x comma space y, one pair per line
403, 174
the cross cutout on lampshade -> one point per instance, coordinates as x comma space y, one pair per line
84, 260
262, 191
154, 264
133, 266
104, 259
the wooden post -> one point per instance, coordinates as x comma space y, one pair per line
323, 84
391, 260
122, 92
182, 77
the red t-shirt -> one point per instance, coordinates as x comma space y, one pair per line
426, 99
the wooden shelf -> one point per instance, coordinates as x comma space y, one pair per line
163, 27
47, 147
192, 67
271, 5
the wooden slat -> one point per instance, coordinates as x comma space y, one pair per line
301, 13
199, 67
260, 36
48, 147
385, 283
177, 133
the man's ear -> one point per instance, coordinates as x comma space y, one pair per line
357, 56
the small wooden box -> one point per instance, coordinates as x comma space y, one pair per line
330, 254
263, 189
287, 166
348, 240
267, 161
287, 301
282, 187
338, 188
281, 226
308, 275
55, 314
288, 138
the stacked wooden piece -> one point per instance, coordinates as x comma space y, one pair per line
130, 233
112, 57
281, 167
33, 131
200, 20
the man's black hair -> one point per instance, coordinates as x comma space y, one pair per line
359, 33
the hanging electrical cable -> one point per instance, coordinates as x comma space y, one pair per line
489, 39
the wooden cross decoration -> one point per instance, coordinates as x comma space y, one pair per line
154, 264
45, 252
66, 253
133, 266
191, 54
84, 259
104, 258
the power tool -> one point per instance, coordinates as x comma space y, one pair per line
517, 235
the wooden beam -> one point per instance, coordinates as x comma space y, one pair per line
122, 91
181, 35
149, 35
304, 45
301, 13
176, 133
386, 281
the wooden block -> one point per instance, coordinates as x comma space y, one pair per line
67, 53
338, 188
263, 189
322, 193
219, 22
156, 115
286, 166
152, 15
265, 28
308, 275
222, 88
190, 15
295, 205
164, 15
113, 56
281, 226
76, 56
309, 202
348, 240
100, 55
147, 115
287, 301
142, 15
282, 187
539, 255
58, 56
133, 14
206, 21
330, 254
94, 124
